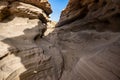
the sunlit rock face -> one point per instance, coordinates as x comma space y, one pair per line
22, 22
33, 9
43, 4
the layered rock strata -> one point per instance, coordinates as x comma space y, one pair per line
21, 9
88, 36
20, 57
96, 13
85, 45
43, 4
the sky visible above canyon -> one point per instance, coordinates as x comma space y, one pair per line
57, 7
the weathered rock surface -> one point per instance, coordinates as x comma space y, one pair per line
85, 45
3, 9
88, 36
20, 57
18, 52
43, 4
93, 14
25, 8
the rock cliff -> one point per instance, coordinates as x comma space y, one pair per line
22, 22
88, 36
100, 15
33, 9
84, 45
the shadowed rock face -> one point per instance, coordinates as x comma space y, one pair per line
93, 14
89, 40
3, 10
85, 45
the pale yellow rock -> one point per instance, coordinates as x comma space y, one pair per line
43, 4
27, 10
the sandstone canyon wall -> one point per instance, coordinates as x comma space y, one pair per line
88, 35
85, 45
22, 22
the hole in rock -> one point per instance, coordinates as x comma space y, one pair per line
96, 1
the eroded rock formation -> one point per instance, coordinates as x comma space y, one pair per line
92, 14
85, 45
22, 22
33, 9
89, 40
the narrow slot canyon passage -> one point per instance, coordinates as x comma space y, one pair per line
80, 40
57, 7
24, 25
